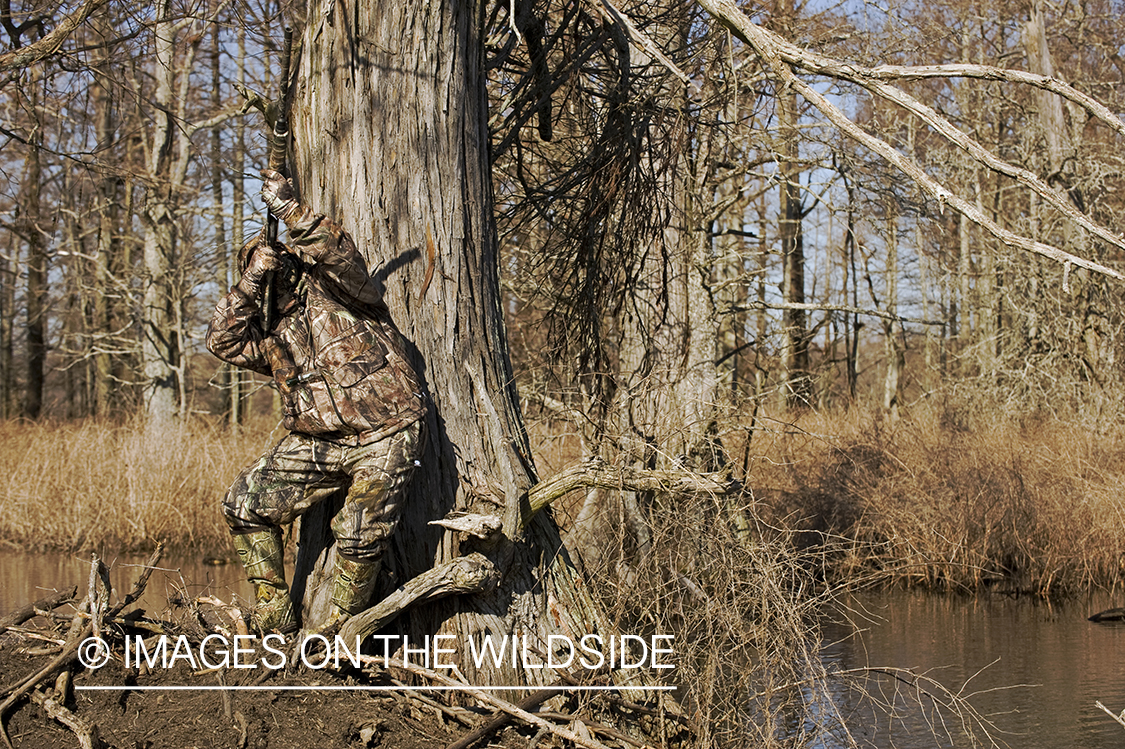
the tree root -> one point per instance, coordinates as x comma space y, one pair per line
472, 573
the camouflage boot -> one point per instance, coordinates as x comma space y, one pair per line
262, 556
351, 589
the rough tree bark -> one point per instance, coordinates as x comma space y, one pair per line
37, 262
389, 134
103, 308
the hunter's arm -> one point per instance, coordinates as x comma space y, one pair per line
235, 333
335, 259
334, 254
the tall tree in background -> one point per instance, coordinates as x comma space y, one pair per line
33, 234
165, 163
791, 238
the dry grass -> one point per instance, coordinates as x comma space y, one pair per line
940, 497
93, 485
947, 499
937, 499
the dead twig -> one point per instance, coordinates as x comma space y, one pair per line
460, 715
87, 733
604, 730
70, 650
528, 703
1119, 718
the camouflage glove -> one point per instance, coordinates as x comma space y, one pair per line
279, 197
263, 260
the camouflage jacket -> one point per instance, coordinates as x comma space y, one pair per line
337, 359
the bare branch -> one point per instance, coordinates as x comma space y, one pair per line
596, 473
486, 698
780, 55
468, 574
990, 73
1119, 718
813, 307
610, 12
52, 42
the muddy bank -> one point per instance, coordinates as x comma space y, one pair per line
82, 671
274, 718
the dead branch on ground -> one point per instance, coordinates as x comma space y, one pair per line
48, 603
379, 662
99, 614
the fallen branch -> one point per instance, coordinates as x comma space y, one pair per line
532, 701
605, 730
87, 733
70, 650
1119, 718
460, 715
482, 696
43, 604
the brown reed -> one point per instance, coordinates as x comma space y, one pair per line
950, 499
120, 487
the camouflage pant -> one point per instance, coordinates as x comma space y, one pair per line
301, 471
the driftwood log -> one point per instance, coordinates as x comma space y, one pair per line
49, 603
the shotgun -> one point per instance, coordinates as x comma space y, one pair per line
278, 145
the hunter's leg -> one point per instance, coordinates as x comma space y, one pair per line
281, 485
380, 472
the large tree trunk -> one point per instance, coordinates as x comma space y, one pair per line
389, 135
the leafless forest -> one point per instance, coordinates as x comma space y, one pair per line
822, 291
857, 204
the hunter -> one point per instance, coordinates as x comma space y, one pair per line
352, 402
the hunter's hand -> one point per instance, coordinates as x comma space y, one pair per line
264, 260
278, 195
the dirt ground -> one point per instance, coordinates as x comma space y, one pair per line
321, 718
239, 691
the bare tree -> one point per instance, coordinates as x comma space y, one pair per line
31, 231
416, 109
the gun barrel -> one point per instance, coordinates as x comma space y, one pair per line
280, 137
278, 145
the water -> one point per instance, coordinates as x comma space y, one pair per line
25, 578
1033, 672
